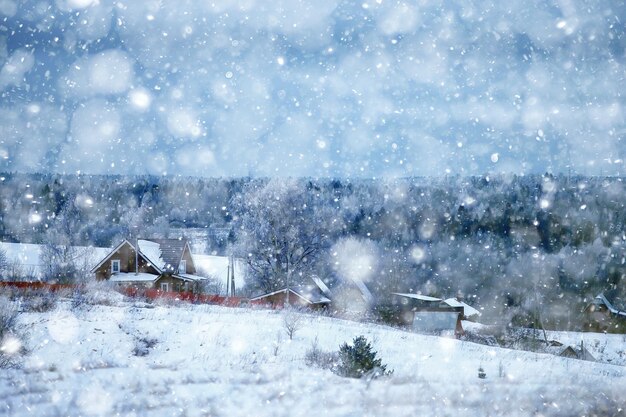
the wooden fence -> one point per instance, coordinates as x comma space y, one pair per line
154, 294
151, 294
44, 286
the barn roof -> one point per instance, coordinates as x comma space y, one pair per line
425, 301
307, 294
312, 292
574, 352
418, 297
614, 300
322, 286
468, 310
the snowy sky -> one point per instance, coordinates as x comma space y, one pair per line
322, 88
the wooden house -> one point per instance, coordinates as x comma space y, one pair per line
607, 312
164, 264
439, 321
426, 314
313, 295
417, 301
577, 353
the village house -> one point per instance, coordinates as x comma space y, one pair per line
431, 315
314, 295
347, 298
577, 353
607, 312
163, 264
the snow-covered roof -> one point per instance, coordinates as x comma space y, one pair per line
309, 294
133, 277
609, 299
312, 293
259, 297
190, 277
152, 251
172, 252
418, 297
468, 310
315, 292
365, 292
321, 285
570, 351
110, 252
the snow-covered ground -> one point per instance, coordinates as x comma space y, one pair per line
217, 361
607, 348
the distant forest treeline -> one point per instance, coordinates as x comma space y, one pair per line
520, 246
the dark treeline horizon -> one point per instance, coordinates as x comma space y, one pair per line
513, 245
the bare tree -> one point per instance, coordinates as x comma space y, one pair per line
4, 264
212, 284
292, 322
276, 232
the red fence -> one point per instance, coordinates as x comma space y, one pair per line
151, 294
37, 286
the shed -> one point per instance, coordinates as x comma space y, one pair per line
577, 353
607, 311
437, 322
420, 300
310, 295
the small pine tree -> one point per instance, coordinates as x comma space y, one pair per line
358, 360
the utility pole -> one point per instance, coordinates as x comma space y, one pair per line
232, 272
228, 278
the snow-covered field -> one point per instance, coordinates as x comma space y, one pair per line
29, 257
216, 361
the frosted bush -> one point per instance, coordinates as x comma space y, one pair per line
143, 344
10, 342
8, 315
95, 293
38, 300
317, 357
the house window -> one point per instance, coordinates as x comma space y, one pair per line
164, 286
115, 266
182, 268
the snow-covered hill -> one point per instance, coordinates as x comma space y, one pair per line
198, 360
